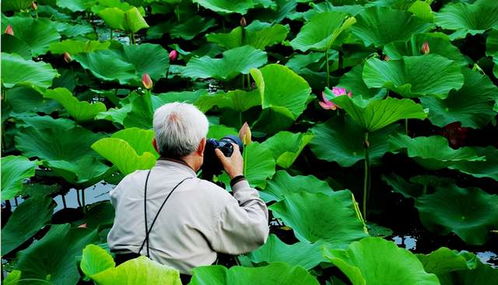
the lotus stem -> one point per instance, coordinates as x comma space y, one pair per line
132, 38
328, 67
83, 199
16, 202
110, 36
341, 60
366, 181
64, 200
406, 126
78, 197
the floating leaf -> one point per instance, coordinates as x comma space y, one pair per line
380, 26
15, 169
283, 184
333, 218
275, 273
37, 33
18, 71
470, 213
77, 46
287, 146
374, 260
414, 76
227, 6
80, 110
129, 20
95, 259
234, 61
26, 221
259, 164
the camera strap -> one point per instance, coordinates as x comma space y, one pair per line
148, 230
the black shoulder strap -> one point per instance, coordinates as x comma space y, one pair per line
148, 230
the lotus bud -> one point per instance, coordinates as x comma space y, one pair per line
67, 57
387, 58
243, 21
173, 55
425, 48
245, 134
9, 30
147, 81
34, 6
326, 103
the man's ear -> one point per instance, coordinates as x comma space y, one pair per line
154, 144
201, 147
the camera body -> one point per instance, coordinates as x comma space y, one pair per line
212, 165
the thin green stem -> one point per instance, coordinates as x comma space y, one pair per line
83, 200
366, 181
132, 38
110, 36
328, 67
406, 126
64, 200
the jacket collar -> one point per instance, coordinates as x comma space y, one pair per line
176, 164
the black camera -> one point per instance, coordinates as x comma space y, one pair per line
212, 165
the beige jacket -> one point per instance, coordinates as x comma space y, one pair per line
198, 220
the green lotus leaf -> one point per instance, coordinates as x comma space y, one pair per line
227, 6
275, 273
53, 257
140, 112
15, 275
350, 7
287, 146
18, 71
86, 171
74, 5
140, 140
257, 34
492, 43
237, 100
379, 26
433, 152
439, 44
322, 31
102, 4
353, 82
37, 33
341, 141
415, 76
25, 222
480, 169
15, 5
281, 89
188, 29
95, 259
184, 96
35, 190
302, 253
141, 268
234, 61
333, 218
377, 114
130, 20
403, 187
472, 105
283, 184
24, 99
273, 119
422, 10
77, 46
482, 274
374, 260
470, 213
15, 169
464, 18
11, 44
444, 260
219, 131
123, 156
80, 110
74, 31
259, 164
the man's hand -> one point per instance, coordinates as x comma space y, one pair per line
234, 165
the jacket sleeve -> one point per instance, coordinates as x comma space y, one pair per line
243, 223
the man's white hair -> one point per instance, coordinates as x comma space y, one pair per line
179, 128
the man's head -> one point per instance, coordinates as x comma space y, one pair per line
180, 132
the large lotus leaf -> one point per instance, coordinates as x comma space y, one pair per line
189, 27
403, 187
464, 18
470, 213
15, 5
74, 31
15, 169
259, 164
274, 119
341, 141
27, 220
238, 100
227, 6
472, 105
138, 139
11, 44
219, 131
15, 275
24, 99
129, 20
377, 114
283, 184
332, 217
480, 169
281, 89
444, 260
374, 260
433, 152
351, 7
184, 96
439, 43
77, 46
353, 82
492, 43
123, 156
140, 112
414, 76
18, 71
287, 146
126, 64
234, 61
302, 253
86, 171
321, 31
257, 34
380, 26
54, 257
275, 273
80, 110
37, 33
74, 5
95, 259
483, 274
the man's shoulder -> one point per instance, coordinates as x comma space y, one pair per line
210, 188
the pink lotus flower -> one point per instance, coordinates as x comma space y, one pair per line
67, 57
425, 48
147, 81
9, 30
173, 55
336, 91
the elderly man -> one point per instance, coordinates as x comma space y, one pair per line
174, 217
